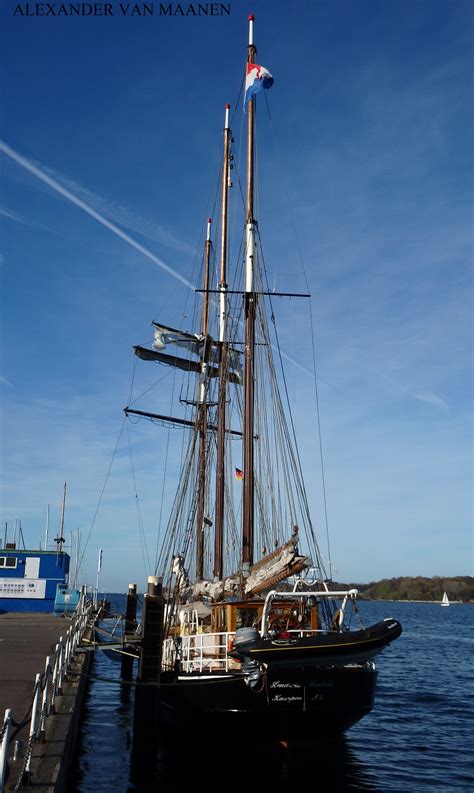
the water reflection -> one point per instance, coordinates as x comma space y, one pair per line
198, 758
195, 759
192, 763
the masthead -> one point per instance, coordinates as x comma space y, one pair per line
251, 21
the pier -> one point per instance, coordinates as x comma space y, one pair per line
42, 685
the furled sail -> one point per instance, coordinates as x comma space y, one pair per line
283, 562
164, 335
182, 363
278, 565
194, 343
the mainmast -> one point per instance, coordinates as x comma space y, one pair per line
221, 409
250, 307
202, 411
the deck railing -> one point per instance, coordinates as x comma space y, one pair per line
200, 652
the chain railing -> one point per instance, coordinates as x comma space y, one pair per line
47, 687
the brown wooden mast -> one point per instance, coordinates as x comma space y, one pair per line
250, 306
221, 409
202, 412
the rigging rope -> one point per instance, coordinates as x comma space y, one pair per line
79, 566
300, 253
141, 530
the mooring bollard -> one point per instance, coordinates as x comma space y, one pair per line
130, 628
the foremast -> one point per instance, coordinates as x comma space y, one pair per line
202, 412
250, 312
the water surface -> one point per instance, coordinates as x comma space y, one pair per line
418, 738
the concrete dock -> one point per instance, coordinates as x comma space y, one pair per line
25, 641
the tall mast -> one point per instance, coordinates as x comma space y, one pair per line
60, 539
202, 411
46, 532
221, 409
250, 306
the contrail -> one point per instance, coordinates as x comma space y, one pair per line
29, 166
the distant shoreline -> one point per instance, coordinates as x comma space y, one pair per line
406, 600
415, 589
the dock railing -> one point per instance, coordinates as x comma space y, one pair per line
47, 687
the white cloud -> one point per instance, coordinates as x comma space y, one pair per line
432, 399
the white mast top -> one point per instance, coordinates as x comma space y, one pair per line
226, 123
251, 21
208, 238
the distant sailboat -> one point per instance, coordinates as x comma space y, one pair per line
445, 601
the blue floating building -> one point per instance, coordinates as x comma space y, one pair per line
35, 581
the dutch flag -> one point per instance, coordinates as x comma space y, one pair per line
257, 77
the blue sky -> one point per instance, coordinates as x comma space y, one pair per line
372, 111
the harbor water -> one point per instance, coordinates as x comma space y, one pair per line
418, 738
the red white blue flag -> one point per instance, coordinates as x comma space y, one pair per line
257, 77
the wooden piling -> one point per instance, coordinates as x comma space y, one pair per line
146, 719
130, 628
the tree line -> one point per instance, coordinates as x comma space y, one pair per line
417, 588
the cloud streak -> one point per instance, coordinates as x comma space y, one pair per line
23, 162
432, 399
123, 215
7, 213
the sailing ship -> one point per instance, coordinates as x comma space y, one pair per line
445, 600
251, 624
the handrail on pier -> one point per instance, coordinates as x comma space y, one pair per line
49, 685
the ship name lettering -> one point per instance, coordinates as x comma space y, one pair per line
195, 9
279, 684
280, 698
63, 9
323, 684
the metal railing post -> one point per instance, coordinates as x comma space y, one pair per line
44, 702
54, 683
60, 666
32, 734
4, 748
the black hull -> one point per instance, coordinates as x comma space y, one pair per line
297, 703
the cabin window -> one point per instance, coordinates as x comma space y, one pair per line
246, 618
8, 561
